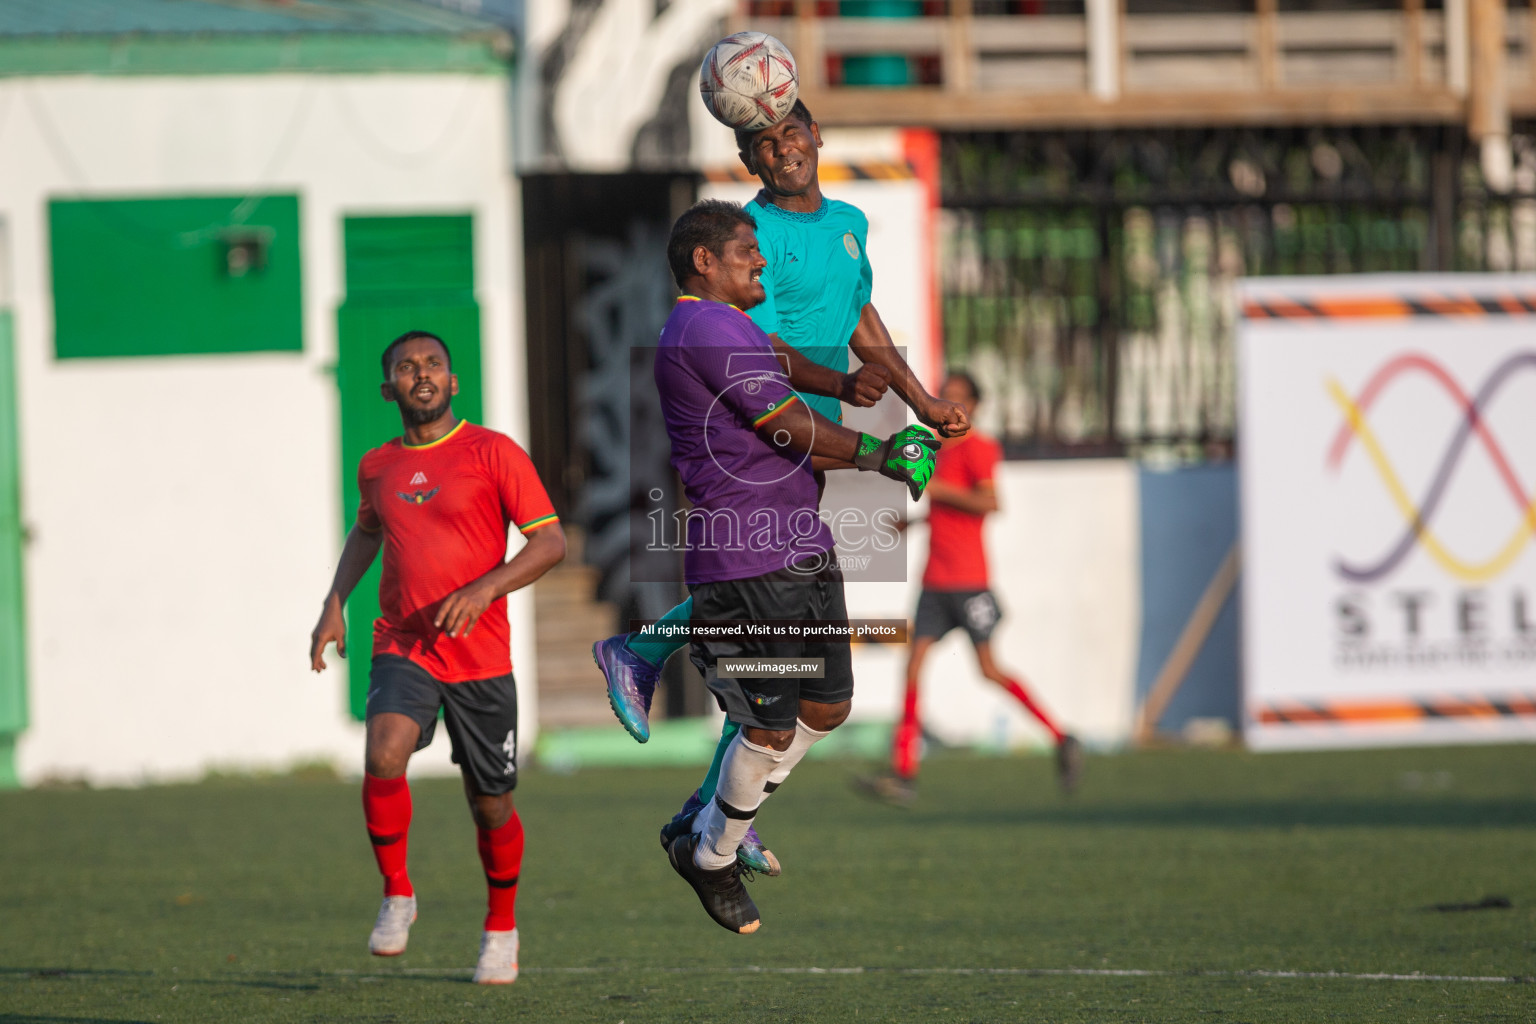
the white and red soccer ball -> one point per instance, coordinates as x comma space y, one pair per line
748, 81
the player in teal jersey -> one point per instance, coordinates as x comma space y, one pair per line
819, 282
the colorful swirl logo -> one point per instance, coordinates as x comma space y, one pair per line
1417, 517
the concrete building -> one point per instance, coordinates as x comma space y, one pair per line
212, 218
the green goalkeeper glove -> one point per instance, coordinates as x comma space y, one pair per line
906, 455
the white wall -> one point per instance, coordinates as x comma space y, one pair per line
1063, 553
185, 510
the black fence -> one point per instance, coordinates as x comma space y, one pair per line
1088, 276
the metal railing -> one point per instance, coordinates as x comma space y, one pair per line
1017, 63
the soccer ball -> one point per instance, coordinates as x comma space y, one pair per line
748, 80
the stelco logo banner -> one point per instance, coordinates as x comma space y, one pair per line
1388, 459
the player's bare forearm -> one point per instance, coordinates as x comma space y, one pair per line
461, 609
805, 375
862, 388
978, 500
872, 343
906, 455
800, 428
822, 464
544, 549
357, 554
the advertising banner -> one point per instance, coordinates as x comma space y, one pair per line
1388, 486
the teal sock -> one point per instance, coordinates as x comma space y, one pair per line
712, 780
658, 647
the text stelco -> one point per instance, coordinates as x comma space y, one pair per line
1408, 625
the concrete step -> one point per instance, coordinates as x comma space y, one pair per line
565, 713
568, 620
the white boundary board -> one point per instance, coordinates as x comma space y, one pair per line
1388, 475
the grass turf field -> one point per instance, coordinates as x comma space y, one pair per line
1198, 872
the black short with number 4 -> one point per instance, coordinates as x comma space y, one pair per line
481, 715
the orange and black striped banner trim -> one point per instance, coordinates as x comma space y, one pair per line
867, 170
1387, 307
1402, 711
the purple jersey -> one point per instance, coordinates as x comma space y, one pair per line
754, 500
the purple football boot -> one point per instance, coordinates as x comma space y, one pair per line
631, 684
750, 852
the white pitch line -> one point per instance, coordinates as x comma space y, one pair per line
1020, 972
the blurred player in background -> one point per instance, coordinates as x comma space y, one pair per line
956, 594
746, 446
817, 284
438, 501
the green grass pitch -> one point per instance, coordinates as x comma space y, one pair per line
1205, 876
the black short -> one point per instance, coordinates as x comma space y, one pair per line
939, 611
481, 715
769, 702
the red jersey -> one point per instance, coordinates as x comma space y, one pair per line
444, 508
956, 558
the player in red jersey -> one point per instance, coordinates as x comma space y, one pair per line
956, 594
438, 501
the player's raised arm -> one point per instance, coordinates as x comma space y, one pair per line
861, 388
906, 455
361, 548
872, 343
801, 428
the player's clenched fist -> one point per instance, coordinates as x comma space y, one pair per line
906, 455
948, 418
864, 386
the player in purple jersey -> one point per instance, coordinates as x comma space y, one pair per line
756, 550
818, 307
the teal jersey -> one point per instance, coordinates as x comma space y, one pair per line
818, 281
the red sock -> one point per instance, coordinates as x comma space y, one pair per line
387, 810
907, 741
1022, 696
501, 852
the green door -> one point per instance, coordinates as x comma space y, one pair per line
13, 623
403, 274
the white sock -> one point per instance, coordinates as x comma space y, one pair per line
805, 738
743, 775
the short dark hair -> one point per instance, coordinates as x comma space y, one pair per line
709, 222
389, 351
799, 112
970, 382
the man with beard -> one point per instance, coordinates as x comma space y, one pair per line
816, 307
757, 556
438, 501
